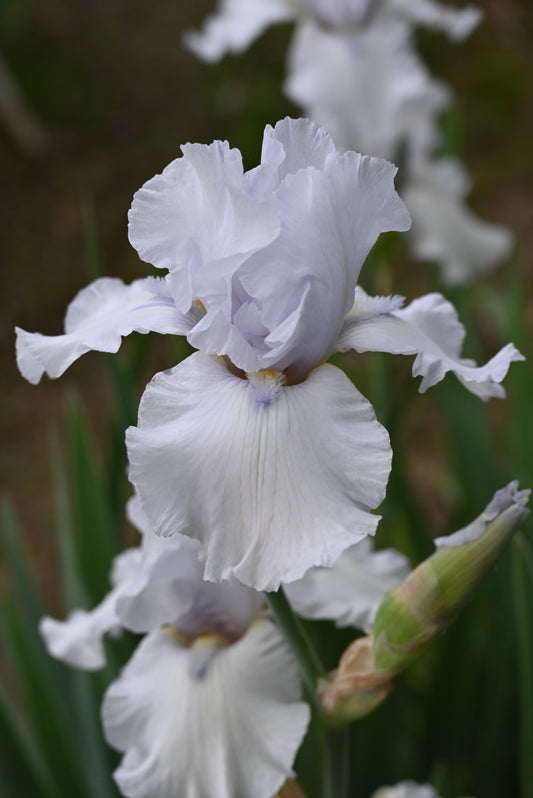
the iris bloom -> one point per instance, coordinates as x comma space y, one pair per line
254, 445
210, 702
237, 23
373, 94
213, 678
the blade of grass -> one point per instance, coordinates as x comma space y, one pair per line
523, 599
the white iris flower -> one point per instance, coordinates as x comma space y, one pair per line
255, 446
209, 705
372, 92
237, 23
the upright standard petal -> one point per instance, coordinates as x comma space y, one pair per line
97, 319
330, 220
232, 732
235, 25
430, 329
271, 479
199, 215
350, 591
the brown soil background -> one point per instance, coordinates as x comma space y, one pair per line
117, 94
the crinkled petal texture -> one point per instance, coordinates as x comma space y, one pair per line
199, 215
232, 733
509, 500
97, 319
445, 230
351, 590
304, 282
273, 255
430, 329
235, 25
271, 479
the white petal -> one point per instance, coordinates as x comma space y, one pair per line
303, 142
235, 25
445, 230
332, 77
406, 789
340, 13
168, 587
351, 590
270, 481
97, 319
458, 23
330, 221
430, 329
232, 733
78, 640
508, 497
199, 220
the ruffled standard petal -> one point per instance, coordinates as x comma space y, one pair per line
330, 220
97, 319
199, 220
445, 230
430, 329
271, 479
351, 590
235, 25
232, 732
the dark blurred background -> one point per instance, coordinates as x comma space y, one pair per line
116, 94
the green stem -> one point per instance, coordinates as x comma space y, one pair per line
524, 639
310, 665
336, 763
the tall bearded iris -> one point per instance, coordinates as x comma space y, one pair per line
254, 445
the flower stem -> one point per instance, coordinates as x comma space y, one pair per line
311, 667
336, 763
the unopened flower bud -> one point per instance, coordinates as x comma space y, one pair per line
434, 593
413, 614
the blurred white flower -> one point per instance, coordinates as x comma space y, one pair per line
370, 90
444, 229
237, 23
267, 455
406, 789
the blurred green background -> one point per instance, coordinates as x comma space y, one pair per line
116, 94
